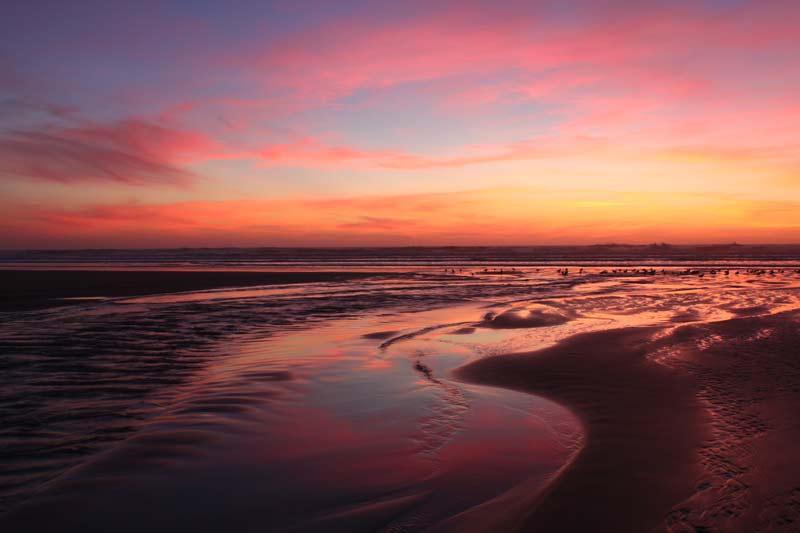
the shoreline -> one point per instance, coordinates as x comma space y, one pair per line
643, 428
24, 290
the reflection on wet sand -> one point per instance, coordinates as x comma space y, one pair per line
334, 405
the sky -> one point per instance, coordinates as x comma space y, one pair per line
385, 123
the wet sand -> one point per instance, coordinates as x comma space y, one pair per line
693, 430
747, 372
686, 391
35, 289
263, 440
643, 424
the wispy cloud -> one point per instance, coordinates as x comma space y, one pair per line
133, 152
309, 152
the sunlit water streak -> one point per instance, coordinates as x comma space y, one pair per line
331, 399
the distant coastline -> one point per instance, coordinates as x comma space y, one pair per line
255, 258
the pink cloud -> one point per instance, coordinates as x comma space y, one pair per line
310, 152
333, 60
615, 70
133, 152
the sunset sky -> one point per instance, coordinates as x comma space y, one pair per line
194, 123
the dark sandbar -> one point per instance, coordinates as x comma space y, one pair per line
35, 289
644, 428
705, 440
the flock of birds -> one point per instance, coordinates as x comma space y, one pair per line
694, 272
644, 271
699, 273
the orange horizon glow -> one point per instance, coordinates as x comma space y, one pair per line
513, 216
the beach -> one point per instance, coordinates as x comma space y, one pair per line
398, 267
402, 401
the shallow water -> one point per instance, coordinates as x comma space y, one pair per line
326, 405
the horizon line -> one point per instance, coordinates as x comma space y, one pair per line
405, 247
